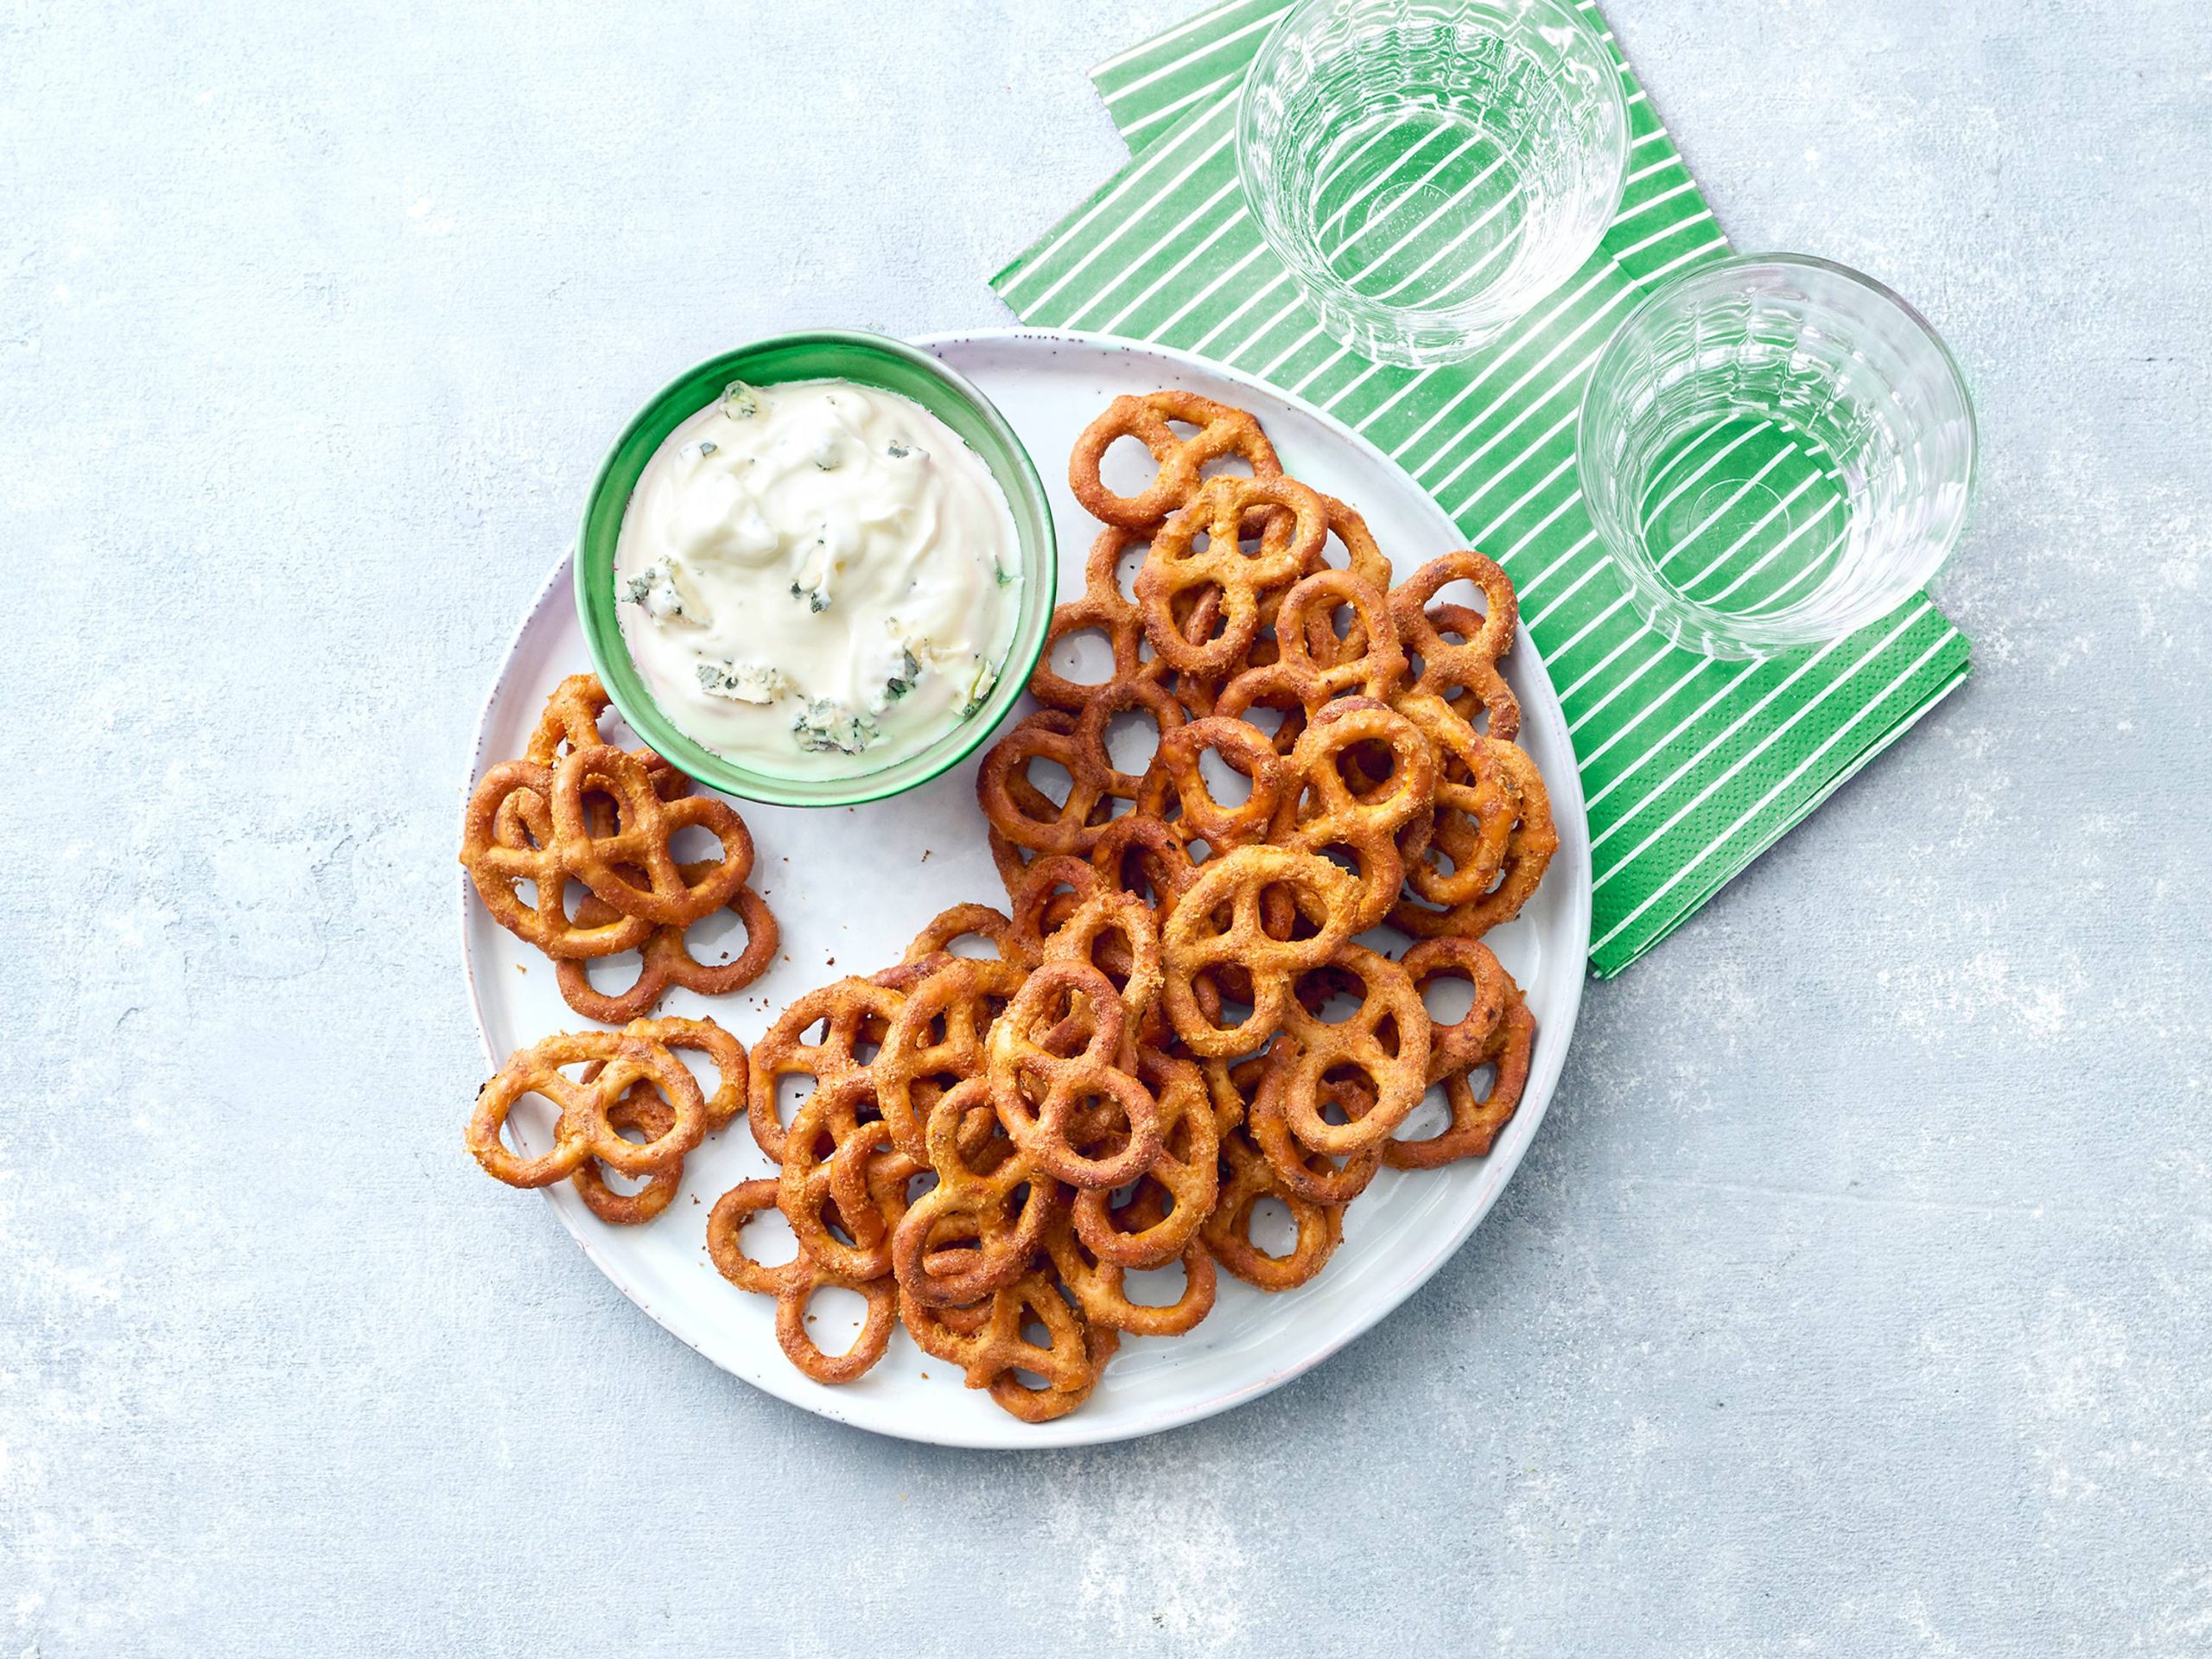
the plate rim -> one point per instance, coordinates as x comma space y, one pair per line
1070, 1431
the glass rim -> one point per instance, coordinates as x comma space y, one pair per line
1002, 451
1493, 308
1675, 613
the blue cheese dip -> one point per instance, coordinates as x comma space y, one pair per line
817, 579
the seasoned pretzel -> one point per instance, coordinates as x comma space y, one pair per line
498, 868
1467, 669
1021, 1063
1464, 1042
792, 1284
1385, 1040
1222, 431
646, 824
943, 930
1228, 1230
1175, 781
1185, 1175
1475, 1122
937, 1037
1104, 608
1124, 923
570, 720
1004, 1210
1322, 813
1175, 566
841, 1175
1299, 1170
1138, 854
642, 1109
1366, 662
1529, 845
990, 1354
583, 1129
1099, 1286
1023, 814
1477, 803
855, 1014
1218, 926
666, 958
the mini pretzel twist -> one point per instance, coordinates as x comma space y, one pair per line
1222, 431
1175, 566
1530, 841
1023, 1066
1504, 1045
1301, 1170
585, 1128
1325, 814
646, 824
853, 1011
843, 1175
1219, 924
499, 859
1368, 663
1100, 1286
1005, 1210
1385, 1040
1069, 1362
1467, 671
1184, 1176
1228, 1230
666, 958
793, 1284
937, 1037
1175, 782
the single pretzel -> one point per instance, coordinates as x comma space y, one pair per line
1324, 814
1367, 663
943, 930
1184, 1176
1529, 845
1022, 1064
1004, 1210
1299, 1170
1467, 670
937, 1036
1465, 1041
1219, 924
1228, 1230
584, 1128
1475, 1122
1176, 781
1069, 1362
1477, 799
855, 1015
1175, 566
1385, 1040
644, 1110
666, 958
646, 825
570, 720
1099, 1285
1222, 431
792, 1284
1024, 814
1109, 917
843, 1176
498, 868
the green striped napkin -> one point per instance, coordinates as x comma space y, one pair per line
1691, 767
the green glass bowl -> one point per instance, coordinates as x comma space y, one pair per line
817, 355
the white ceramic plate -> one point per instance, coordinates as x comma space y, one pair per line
851, 886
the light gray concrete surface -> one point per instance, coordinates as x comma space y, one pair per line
1853, 1300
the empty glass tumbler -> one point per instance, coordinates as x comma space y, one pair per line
1430, 169
1776, 452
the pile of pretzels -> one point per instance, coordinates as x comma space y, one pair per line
1193, 1002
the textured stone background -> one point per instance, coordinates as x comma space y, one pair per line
1854, 1299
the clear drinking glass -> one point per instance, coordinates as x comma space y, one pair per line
1430, 169
1777, 451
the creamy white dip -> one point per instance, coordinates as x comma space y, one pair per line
817, 579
